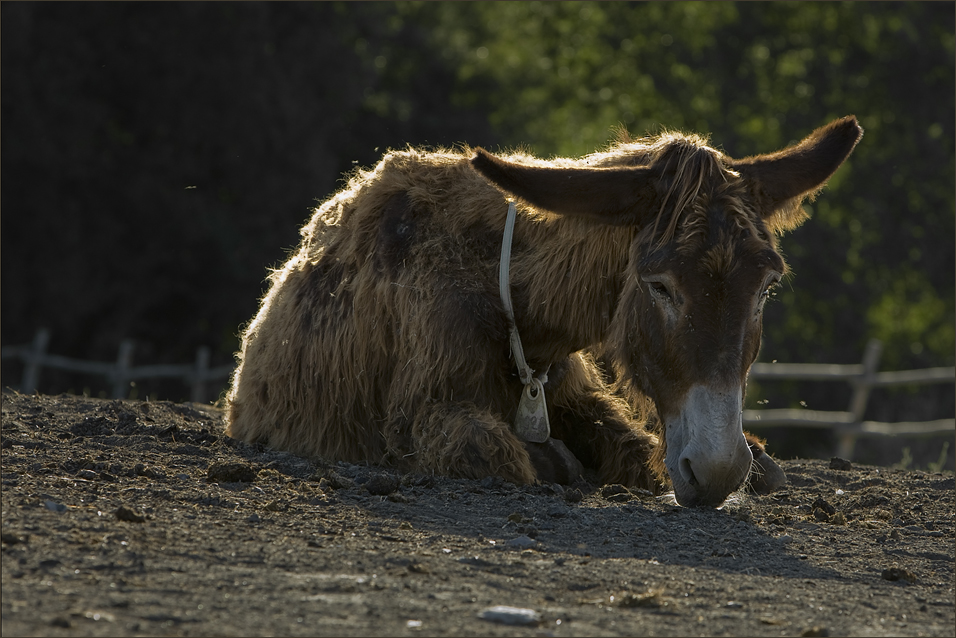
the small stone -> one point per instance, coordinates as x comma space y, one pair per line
231, 473
54, 506
836, 463
87, 475
276, 506
521, 542
10, 538
573, 495
826, 507
647, 600
815, 632
616, 493
611, 490
130, 516
338, 481
99, 615
897, 573
253, 518
510, 615
382, 484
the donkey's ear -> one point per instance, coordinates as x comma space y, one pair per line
781, 180
618, 196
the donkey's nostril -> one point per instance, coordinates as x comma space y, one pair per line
687, 472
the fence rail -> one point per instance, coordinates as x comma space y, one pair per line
120, 373
848, 424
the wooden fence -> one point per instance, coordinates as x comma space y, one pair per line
120, 373
849, 425
863, 377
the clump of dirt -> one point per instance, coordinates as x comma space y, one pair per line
125, 517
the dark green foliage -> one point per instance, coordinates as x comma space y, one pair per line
156, 157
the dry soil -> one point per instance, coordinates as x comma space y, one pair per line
126, 517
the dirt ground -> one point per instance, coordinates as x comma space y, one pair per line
129, 517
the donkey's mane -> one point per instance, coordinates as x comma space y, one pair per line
690, 170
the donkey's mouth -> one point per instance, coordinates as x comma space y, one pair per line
708, 457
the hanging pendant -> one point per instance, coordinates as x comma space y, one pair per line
531, 422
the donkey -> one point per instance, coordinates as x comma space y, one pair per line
638, 277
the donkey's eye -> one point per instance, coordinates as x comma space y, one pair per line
660, 289
658, 285
772, 281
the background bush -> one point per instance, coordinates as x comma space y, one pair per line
158, 157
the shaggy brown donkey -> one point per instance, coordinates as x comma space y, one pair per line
385, 339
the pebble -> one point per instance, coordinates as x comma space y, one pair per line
836, 463
616, 493
510, 615
54, 506
124, 513
573, 495
11, 538
650, 599
897, 573
231, 473
521, 542
382, 484
338, 481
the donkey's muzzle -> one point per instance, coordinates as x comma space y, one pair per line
707, 455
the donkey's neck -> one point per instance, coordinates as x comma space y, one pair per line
566, 281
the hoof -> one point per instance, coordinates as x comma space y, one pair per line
553, 462
765, 475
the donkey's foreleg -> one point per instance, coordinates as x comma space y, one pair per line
462, 440
765, 475
598, 429
554, 462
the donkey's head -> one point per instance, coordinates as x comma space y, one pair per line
688, 322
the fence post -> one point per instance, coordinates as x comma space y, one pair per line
123, 362
31, 374
202, 370
861, 394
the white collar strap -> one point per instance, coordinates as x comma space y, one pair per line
531, 422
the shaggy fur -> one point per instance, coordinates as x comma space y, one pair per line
383, 339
